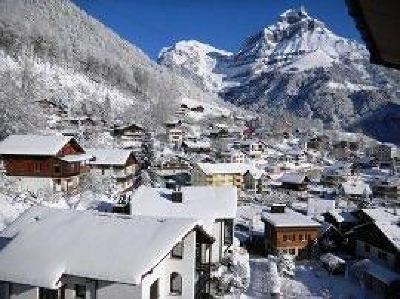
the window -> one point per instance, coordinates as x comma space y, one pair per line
285, 238
37, 167
57, 169
382, 255
292, 251
228, 232
293, 237
48, 294
154, 290
176, 283
301, 237
367, 248
177, 251
80, 291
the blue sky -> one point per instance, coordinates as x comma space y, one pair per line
153, 24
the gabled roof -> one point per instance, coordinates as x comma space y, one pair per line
356, 188
38, 145
289, 218
292, 178
113, 156
43, 244
223, 168
201, 144
205, 203
342, 216
387, 222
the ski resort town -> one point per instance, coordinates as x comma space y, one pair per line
213, 205
271, 170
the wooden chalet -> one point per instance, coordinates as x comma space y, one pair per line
44, 162
287, 231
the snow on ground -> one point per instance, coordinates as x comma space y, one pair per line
350, 86
309, 282
210, 109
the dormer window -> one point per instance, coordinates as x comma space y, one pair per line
177, 251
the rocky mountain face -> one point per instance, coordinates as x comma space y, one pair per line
296, 65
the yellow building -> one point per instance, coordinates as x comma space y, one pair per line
219, 174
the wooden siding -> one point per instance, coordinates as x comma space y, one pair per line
38, 166
289, 238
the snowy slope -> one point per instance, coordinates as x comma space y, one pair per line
78, 60
199, 60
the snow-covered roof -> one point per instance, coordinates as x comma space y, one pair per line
342, 216
356, 188
289, 218
205, 203
197, 144
225, 168
39, 145
316, 206
111, 156
292, 178
387, 222
77, 158
256, 173
45, 243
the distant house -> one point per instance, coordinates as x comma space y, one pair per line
118, 164
320, 142
50, 107
336, 173
174, 169
219, 174
255, 180
173, 164
196, 147
130, 136
52, 253
386, 186
175, 136
215, 207
232, 156
38, 162
294, 181
252, 148
387, 155
287, 231
346, 145
355, 190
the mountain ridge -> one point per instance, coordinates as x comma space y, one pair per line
296, 65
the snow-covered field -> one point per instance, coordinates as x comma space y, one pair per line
310, 281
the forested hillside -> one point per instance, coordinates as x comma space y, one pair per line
76, 59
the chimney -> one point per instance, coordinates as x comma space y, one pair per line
176, 195
278, 208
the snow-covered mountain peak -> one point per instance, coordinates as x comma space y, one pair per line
294, 34
196, 59
193, 46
